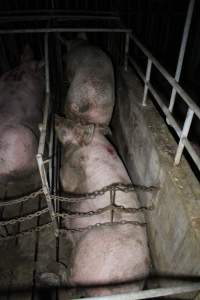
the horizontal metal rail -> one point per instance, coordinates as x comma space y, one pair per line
193, 108
48, 30
58, 11
153, 293
168, 77
60, 17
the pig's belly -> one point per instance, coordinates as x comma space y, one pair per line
18, 147
110, 255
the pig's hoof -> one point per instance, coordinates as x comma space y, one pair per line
49, 279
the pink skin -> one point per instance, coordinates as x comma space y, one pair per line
17, 148
21, 103
90, 97
105, 255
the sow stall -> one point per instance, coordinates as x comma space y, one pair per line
31, 224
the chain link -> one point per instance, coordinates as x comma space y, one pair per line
26, 232
106, 224
114, 207
22, 219
126, 188
21, 199
70, 214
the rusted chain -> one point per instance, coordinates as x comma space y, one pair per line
22, 219
126, 188
106, 224
114, 207
26, 232
21, 199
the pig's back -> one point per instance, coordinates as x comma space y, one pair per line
103, 165
21, 95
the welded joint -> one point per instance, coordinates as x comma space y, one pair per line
147, 79
184, 134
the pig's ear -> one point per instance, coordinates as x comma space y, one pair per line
27, 54
84, 134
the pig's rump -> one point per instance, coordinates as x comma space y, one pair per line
110, 255
18, 148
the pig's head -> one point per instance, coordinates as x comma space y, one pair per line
68, 132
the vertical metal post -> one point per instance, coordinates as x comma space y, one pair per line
45, 188
126, 51
40, 161
147, 78
182, 50
51, 157
184, 134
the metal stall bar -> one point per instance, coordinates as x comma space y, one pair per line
184, 134
126, 51
148, 74
168, 77
56, 11
158, 99
153, 293
48, 30
188, 100
60, 17
182, 50
43, 130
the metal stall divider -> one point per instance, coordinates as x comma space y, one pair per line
43, 130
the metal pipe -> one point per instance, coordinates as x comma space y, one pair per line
47, 99
48, 30
158, 99
147, 79
55, 11
39, 156
126, 51
169, 78
152, 293
192, 152
45, 188
51, 157
182, 50
184, 134
30, 18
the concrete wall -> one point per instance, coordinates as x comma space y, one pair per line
147, 148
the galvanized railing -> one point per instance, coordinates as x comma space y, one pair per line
193, 108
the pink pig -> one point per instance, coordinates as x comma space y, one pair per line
103, 256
